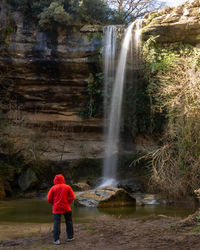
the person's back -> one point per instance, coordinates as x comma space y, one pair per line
61, 196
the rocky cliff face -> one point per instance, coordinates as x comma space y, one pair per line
47, 76
175, 24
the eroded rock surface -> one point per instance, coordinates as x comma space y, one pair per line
175, 24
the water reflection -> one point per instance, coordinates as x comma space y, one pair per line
39, 211
149, 210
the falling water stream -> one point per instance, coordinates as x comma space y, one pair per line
113, 112
109, 67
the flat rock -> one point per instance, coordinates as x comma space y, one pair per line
105, 197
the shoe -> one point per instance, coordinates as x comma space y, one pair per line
56, 242
71, 239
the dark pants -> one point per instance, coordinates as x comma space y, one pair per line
68, 222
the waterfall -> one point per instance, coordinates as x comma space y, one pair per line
109, 68
113, 115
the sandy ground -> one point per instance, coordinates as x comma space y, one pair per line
104, 234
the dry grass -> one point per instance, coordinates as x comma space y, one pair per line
176, 164
9, 231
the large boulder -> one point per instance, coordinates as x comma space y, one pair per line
105, 197
27, 179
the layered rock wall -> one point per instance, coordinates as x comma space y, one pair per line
47, 75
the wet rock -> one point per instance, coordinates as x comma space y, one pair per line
105, 197
81, 186
131, 185
150, 199
27, 179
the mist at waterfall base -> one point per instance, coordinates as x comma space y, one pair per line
113, 106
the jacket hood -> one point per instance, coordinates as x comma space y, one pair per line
59, 179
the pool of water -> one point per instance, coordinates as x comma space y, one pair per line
39, 211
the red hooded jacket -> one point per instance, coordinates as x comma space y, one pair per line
60, 195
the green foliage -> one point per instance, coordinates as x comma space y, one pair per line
197, 228
118, 17
174, 227
53, 15
172, 71
161, 57
153, 16
89, 11
94, 104
32, 8
94, 11
5, 34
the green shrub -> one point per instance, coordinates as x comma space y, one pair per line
153, 16
94, 11
172, 71
94, 104
54, 15
60, 12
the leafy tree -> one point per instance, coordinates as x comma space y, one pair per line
84, 11
60, 12
30, 8
94, 11
129, 10
53, 15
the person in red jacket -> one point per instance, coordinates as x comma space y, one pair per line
61, 196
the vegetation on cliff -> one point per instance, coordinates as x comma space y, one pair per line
52, 13
94, 103
172, 71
